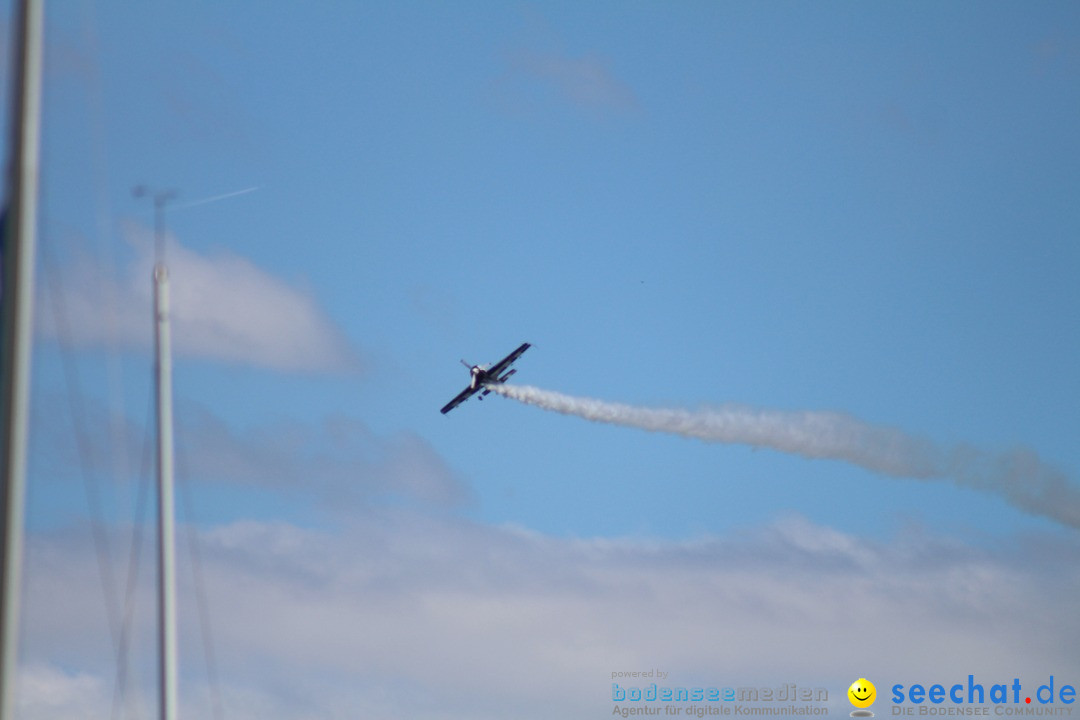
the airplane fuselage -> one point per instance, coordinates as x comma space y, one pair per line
481, 378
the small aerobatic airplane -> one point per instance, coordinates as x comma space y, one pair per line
482, 377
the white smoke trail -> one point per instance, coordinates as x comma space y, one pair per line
1020, 476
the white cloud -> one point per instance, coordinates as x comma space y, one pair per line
334, 463
399, 609
541, 68
403, 615
224, 307
45, 691
540, 71
340, 460
586, 81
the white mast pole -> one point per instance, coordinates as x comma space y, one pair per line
17, 321
166, 547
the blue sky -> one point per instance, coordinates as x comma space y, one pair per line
862, 209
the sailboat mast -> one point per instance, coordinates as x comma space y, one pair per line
166, 545
16, 319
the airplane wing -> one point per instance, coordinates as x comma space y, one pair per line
497, 369
461, 397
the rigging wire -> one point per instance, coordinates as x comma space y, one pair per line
78, 418
98, 165
195, 551
134, 557
105, 259
106, 250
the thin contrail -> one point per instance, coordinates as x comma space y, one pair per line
1019, 476
215, 198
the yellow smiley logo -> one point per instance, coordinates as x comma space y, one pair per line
862, 693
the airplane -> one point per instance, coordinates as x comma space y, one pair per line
482, 377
